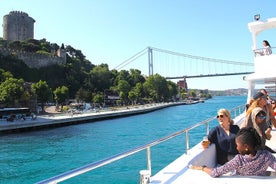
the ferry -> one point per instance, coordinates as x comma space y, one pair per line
264, 76
178, 171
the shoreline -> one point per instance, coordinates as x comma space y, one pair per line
67, 119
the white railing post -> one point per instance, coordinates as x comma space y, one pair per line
187, 141
144, 176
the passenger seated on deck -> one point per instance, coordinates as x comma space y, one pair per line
260, 100
251, 161
223, 136
256, 119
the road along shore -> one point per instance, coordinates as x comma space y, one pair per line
66, 119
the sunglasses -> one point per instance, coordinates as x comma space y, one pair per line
261, 117
220, 116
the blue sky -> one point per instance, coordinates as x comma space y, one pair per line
110, 32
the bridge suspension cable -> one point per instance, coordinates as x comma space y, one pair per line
202, 58
171, 64
131, 59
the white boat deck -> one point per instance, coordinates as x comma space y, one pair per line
178, 171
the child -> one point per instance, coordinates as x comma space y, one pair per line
250, 161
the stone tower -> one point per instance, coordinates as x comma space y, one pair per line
18, 26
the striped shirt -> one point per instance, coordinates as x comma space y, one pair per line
247, 165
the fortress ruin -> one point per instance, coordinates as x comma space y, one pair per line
18, 26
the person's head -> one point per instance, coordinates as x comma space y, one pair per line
224, 116
248, 140
261, 99
258, 115
266, 43
264, 91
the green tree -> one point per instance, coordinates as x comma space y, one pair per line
11, 91
138, 90
42, 91
122, 75
132, 96
61, 94
98, 98
193, 93
100, 78
173, 88
4, 75
83, 95
123, 88
156, 88
135, 77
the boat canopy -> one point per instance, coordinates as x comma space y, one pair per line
258, 26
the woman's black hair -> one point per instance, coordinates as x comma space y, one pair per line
267, 43
249, 136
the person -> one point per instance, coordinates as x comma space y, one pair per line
256, 119
251, 161
249, 103
273, 104
267, 95
267, 48
260, 100
223, 136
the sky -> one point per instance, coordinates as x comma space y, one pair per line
110, 32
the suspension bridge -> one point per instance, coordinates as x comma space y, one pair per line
173, 65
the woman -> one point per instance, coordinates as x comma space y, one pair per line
223, 136
267, 49
256, 119
260, 100
250, 160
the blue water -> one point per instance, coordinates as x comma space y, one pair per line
34, 156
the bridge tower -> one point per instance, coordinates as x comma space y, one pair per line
150, 59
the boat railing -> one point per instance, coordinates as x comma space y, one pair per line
259, 52
92, 166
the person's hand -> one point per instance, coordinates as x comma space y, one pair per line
205, 144
268, 134
195, 167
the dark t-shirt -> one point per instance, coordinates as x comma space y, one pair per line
225, 144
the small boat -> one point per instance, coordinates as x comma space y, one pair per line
201, 100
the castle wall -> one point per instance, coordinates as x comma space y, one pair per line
18, 26
34, 60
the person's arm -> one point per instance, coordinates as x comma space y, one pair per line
271, 115
203, 168
272, 160
268, 134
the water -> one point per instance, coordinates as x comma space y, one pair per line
34, 156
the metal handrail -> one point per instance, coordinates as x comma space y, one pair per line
75, 172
